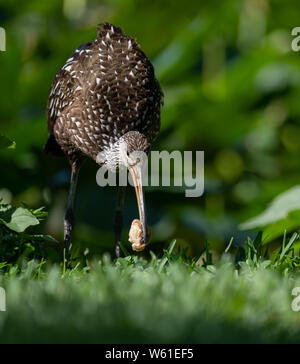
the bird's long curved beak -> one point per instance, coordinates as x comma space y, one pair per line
137, 177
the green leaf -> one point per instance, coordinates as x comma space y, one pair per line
47, 238
282, 214
6, 143
17, 219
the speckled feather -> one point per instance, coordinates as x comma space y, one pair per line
106, 89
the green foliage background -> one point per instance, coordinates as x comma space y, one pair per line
231, 84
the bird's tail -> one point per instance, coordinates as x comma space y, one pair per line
53, 147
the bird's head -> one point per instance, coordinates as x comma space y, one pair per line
133, 149
131, 152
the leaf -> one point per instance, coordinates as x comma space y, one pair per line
289, 224
47, 238
40, 213
282, 214
17, 219
6, 143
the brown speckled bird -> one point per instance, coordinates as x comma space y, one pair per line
105, 99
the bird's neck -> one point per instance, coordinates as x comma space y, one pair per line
110, 156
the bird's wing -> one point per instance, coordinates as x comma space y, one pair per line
150, 125
64, 87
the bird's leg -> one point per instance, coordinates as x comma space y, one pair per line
118, 225
69, 216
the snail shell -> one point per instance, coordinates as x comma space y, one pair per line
136, 235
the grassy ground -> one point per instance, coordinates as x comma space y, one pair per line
168, 300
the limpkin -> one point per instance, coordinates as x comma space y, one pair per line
105, 99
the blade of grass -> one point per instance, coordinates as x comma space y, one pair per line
124, 250
165, 259
288, 246
229, 245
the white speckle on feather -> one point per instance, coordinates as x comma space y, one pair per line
78, 137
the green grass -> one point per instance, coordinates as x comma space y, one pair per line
167, 300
